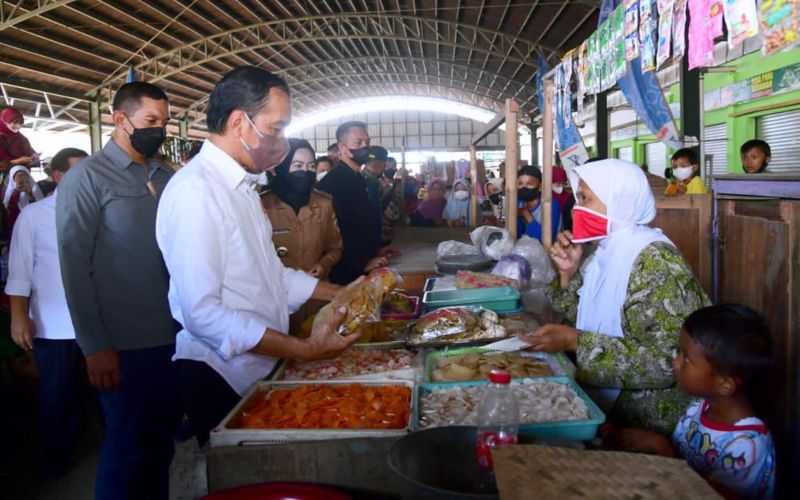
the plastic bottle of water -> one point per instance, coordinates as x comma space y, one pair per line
498, 423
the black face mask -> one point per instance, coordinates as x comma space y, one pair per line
147, 141
495, 198
389, 173
360, 155
301, 181
528, 194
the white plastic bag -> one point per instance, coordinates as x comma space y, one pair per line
542, 272
452, 247
492, 241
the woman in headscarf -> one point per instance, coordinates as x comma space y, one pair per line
21, 190
304, 229
457, 210
429, 211
15, 149
627, 301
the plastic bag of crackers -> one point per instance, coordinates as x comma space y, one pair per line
362, 301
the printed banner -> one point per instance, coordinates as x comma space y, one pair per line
643, 93
617, 51
679, 30
665, 16
647, 27
631, 29
570, 144
741, 19
582, 76
702, 25
779, 24
766, 84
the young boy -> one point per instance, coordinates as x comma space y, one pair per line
725, 351
686, 174
756, 155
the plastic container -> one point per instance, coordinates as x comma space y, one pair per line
559, 364
573, 430
412, 315
498, 421
502, 300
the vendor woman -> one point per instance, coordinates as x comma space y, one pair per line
628, 301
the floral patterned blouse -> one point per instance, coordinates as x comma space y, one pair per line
662, 292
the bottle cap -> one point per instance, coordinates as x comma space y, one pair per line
500, 377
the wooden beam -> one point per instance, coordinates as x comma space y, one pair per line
512, 165
490, 127
473, 170
547, 167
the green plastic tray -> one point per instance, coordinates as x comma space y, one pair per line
575, 430
559, 363
498, 299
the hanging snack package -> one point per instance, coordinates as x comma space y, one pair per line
362, 301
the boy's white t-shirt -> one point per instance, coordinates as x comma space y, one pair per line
740, 456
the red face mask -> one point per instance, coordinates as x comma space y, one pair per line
588, 225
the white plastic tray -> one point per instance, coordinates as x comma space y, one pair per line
227, 435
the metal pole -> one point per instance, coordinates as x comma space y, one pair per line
183, 128
601, 124
473, 170
512, 162
534, 144
547, 168
95, 129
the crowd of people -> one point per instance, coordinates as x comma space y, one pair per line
171, 293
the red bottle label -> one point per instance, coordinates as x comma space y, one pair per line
487, 441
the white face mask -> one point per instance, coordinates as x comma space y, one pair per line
321, 175
558, 189
682, 173
461, 195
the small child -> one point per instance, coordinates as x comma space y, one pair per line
686, 174
725, 350
756, 155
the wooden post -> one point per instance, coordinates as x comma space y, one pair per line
512, 164
547, 167
473, 172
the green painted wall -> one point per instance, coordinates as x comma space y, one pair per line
741, 127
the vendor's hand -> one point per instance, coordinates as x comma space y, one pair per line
644, 441
317, 271
389, 252
103, 369
376, 263
22, 331
324, 342
566, 256
552, 338
526, 214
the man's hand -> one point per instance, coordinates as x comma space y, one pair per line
347, 158
22, 331
389, 252
317, 271
103, 369
376, 263
552, 338
324, 342
22, 160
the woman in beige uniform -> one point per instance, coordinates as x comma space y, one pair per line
304, 229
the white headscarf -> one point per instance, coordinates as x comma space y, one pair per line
23, 197
455, 208
630, 207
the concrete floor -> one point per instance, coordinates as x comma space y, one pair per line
19, 456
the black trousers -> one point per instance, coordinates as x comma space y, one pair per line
207, 397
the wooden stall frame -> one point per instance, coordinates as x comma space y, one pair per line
509, 116
547, 168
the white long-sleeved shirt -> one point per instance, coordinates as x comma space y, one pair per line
34, 270
227, 284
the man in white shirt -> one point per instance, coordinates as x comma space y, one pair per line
40, 321
228, 287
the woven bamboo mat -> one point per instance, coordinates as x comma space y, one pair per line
543, 472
